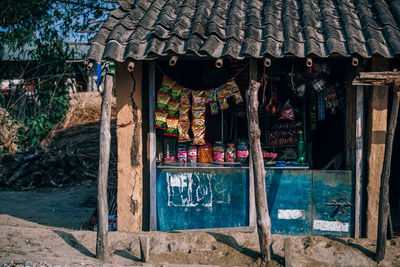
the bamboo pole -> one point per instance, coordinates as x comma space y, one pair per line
263, 219
384, 189
105, 142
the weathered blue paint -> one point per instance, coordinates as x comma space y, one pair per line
289, 201
331, 188
202, 198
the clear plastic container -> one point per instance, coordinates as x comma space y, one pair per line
242, 151
205, 153
218, 152
230, 152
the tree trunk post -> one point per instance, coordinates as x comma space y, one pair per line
263, 219
102, 178
384, 190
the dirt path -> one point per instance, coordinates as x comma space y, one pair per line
33, 226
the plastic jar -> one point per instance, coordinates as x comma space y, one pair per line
181, 153
230, 152
192, 153
218, 152
242, 151
169, 150
205, 153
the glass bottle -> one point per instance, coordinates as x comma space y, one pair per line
300, 148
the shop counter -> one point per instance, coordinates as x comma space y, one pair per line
194, 196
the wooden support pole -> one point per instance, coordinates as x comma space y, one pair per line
102, 178
263, 219
384, 189
377, 129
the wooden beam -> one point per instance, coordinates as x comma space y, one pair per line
376, 78
377, 127
263, 219
152, 148
359, 160
384, 189
105, 142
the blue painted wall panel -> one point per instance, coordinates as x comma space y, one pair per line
330, 187
207, 198
289, 201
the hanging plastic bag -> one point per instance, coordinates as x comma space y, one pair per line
287, 112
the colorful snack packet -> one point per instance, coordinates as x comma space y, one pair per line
161, 119
176, 91
223, 103
228, 91
172, 127
214, 108
238, 97
183, 130
173, 108
184, 112
162, 100
167, 82
185, 96
210, 96
199, 133
198, 101
199, 117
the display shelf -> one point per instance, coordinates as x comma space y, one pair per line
190, 165
283, 146
302, 166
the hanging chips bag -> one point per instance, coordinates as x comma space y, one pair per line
184, 112
167, 82
210, 96
199, 117
199, 100
214, 108
161, 119
173, 108
183, 130
162, 100
220, 93
223, 103
199, 133
238, 97
176, 91
172, 127
185, 96
232, 84
228, 91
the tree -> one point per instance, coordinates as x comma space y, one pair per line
45, 26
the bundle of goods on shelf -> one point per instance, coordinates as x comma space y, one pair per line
284, 133
174, 105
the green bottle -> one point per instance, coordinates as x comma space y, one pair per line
300, 149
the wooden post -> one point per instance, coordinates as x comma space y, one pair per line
377, 127
105, 141
263, 219
359, 161
384, 189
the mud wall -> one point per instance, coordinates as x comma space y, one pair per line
129, 139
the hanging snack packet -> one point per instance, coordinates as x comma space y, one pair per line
185, 96
173, 108
184, 112
162, 100
228, 91
199, 133
287, 112
232, 84
210, 96
223, 103
172, 127
214, 108
198, 101
167, 82
238, 97
183, 129
161, 119
176, 91
199, 117
220, 93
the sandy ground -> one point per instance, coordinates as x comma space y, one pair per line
44, 226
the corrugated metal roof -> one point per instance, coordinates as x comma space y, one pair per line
249, 28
